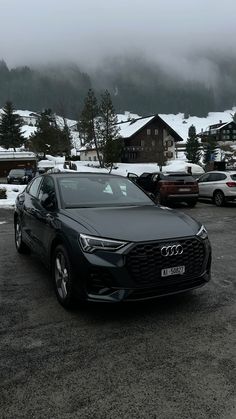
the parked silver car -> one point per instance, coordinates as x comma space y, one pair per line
218, 186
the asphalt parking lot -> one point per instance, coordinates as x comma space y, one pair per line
173, 358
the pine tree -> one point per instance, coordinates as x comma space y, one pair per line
87, 123
210, 150
66, 140
193, 152
10, 128
48, 137
108, 131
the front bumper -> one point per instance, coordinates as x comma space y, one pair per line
134, 274
113, 295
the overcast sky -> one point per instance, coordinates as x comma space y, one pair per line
87, 31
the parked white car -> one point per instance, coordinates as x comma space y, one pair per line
218, 186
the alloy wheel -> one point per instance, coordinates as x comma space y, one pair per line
219, 199
61, 275
18, 235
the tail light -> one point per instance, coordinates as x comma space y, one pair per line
231, 184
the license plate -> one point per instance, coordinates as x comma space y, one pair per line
177, 270
184, 189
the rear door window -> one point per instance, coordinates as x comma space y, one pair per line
216, 177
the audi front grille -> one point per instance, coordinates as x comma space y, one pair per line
145, 261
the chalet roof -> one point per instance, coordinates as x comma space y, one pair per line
225, 124
217, 127
16, 155
131, 127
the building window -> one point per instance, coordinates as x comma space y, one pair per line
148, 131
143, 143
156, 131
169, 143
89, 158
94, 158
153, 143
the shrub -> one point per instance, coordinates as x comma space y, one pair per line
3, 193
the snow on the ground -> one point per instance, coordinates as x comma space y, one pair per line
12, 192
178, 165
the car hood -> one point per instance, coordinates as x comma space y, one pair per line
134, 224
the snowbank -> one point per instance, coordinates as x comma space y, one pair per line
123, 169
12, 192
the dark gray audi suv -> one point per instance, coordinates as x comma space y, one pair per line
104, 239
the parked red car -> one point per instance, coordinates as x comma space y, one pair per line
169, 187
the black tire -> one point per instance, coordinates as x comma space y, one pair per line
63, 277
21, 247
219, 199
191, 204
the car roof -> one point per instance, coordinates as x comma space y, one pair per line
73, 174
226, 172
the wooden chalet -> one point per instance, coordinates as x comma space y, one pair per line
222, 131
149, 139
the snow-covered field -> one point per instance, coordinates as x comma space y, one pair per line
178, 165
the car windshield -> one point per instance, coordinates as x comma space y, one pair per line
19, 172
100, 190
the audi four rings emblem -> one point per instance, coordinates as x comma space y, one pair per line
174, 250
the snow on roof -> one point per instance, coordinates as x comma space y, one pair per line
127, 116
223, 125
127, 129
181, 125
6, 154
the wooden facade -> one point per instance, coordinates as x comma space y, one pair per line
154, 142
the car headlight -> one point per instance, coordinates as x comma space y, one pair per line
91, 243
202, 233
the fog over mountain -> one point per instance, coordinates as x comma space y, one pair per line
89, 31
154, 56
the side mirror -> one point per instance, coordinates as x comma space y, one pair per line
132, 175
21, 199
